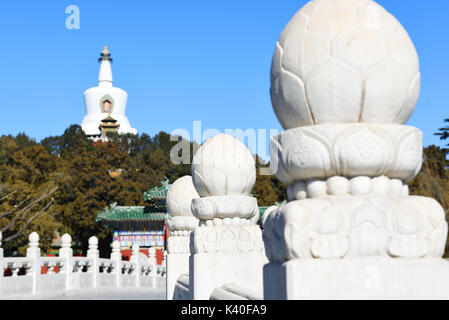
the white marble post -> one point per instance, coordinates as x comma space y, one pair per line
153, 265
227, 246
34, 253
135, 259
116, 256
94, 255
181, 223
66, 253
164, 263
345, 79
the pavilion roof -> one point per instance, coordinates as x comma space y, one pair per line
109, 119
129, 214
262, 211
157, 193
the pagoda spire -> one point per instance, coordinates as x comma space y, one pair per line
105, 75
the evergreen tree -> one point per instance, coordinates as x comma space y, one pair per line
77, 172
443, 133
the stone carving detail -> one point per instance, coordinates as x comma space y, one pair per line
369, 235
179, 242
209, 208
337, 186
335, 227
330, 240
232, 238
349, 150
181, 223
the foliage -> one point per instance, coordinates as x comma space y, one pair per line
81, 170
443, 133
433, 179
72, 176
268, 189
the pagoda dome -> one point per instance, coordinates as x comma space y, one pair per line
344, 61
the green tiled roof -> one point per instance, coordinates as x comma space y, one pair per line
262, 211
118, 214
157, 193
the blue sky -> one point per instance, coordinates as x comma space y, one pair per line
179, 61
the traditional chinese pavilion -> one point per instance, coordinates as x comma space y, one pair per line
143, 225
108, 125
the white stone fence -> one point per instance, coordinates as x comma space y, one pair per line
76, 273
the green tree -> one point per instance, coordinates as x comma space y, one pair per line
26, 190
433, 180
268, 189
77, 172
443, 132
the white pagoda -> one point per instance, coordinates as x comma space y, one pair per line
105, 102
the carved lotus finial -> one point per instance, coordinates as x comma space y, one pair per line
180, 196
223, 166
344, 62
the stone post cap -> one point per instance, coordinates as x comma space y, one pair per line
116, 248
33, 239
93, 243
180, 196
223, 166
66, 240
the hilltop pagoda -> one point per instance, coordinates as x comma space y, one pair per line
103, 100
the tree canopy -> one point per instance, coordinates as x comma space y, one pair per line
60, 184
80, 171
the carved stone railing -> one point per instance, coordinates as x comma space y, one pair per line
34, 275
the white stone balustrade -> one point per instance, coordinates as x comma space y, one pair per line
67, 273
